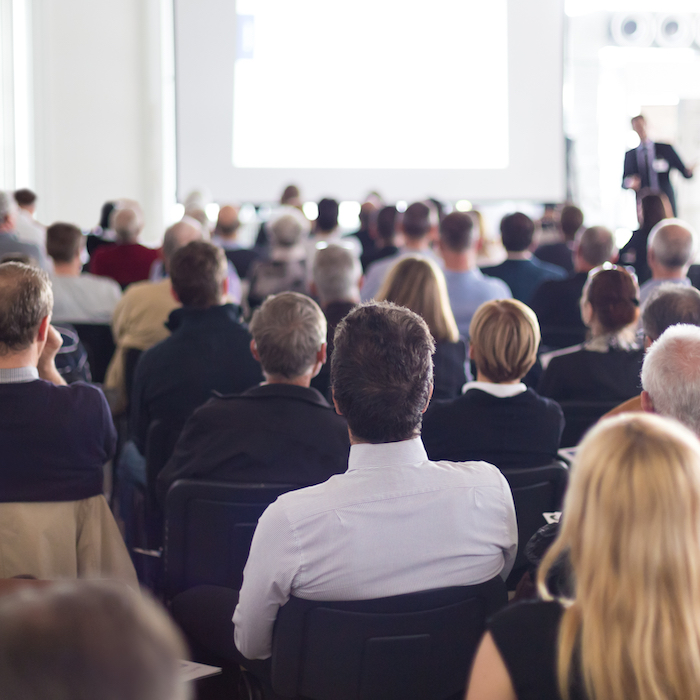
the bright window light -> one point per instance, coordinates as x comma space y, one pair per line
310, 210
246, 213
401, 206
349, 215
212, 211
463, 205
622, 235
178, 211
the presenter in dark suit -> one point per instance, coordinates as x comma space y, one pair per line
650, 164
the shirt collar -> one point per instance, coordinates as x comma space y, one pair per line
501, 391
18, 375
387, 454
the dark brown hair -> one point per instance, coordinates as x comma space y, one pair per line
517, 231
197, 272
614, 297
63, 242
456, 231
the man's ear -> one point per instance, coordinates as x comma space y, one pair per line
43, 330
322, 354
174, 294
313, 289
647, 404
254, 350
335, 403
430, 396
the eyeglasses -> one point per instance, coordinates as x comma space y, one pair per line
611, 266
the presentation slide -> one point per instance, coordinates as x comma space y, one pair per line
457, 99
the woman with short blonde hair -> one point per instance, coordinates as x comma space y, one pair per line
631, 531
418, 284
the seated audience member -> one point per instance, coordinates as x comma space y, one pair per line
127, 261
631, 532
557, 303
521, 271
285, 270
419, 285
467, 287
225, 236
54, 438
84, 640
290, 203
383, 229
77, 298
281, 431
9, 240
366, 235
652, 207
355, 536
606, 367
497, 419
671, 250
419, 226
326, 231
561, 253
336, 282
667, 305
28, 229
208, 349
139, 320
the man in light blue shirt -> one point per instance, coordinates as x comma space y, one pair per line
467, 286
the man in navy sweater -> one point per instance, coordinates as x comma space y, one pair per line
54, 438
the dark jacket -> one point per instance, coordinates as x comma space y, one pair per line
524, 276
209, 350
272, 433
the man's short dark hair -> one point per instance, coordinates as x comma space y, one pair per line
197, 272
570, 220
668, 305
25, 299
517, 231
63, 242
456, 231
25, 197
382, 371
386, 223
416, 222
327, 214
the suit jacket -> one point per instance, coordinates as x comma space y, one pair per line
524, 276
666, 158
560, 254
275, 433
513, 432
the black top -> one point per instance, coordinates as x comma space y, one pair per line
369, 257
634, 253
584, 375
272, 433
209, 350
242, 258
560, 254
449, 373
54, 441
525, 635
512, 433
524, 276
557, 305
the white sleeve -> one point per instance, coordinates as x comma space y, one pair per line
510, 547
267, 581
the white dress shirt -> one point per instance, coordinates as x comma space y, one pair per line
394, 523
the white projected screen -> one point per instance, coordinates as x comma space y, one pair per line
457, 99
375, 50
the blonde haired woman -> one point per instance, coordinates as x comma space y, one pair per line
631, 530
419, 285
498, 419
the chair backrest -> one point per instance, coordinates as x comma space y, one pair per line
131, 359
99, 343
535, 490
160, 443
208, 530
417, 646
580, 416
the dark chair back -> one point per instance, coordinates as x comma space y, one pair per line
99, 344
131, 359
580, 416
417, 646
208, 530
536, 490
160, 443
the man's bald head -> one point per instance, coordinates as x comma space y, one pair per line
671, 245
179, 235
127, 222
227, 224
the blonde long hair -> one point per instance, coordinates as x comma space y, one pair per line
419, 285
631, 528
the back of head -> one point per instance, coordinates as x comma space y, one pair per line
179, 235
197, 273
672, 243
671, 375
416, 221
419, 284
289, 330
632, 532
63, 242
288, 230
504, 336
25, 197
655, 208
336, 274
517, 231
82, 640
127, 222
596, 245
570, 221
382, 371
290, 195
456, 231
227, 222
668, 305
386, 224
7, 207
25, 299
614, 298
327, 219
